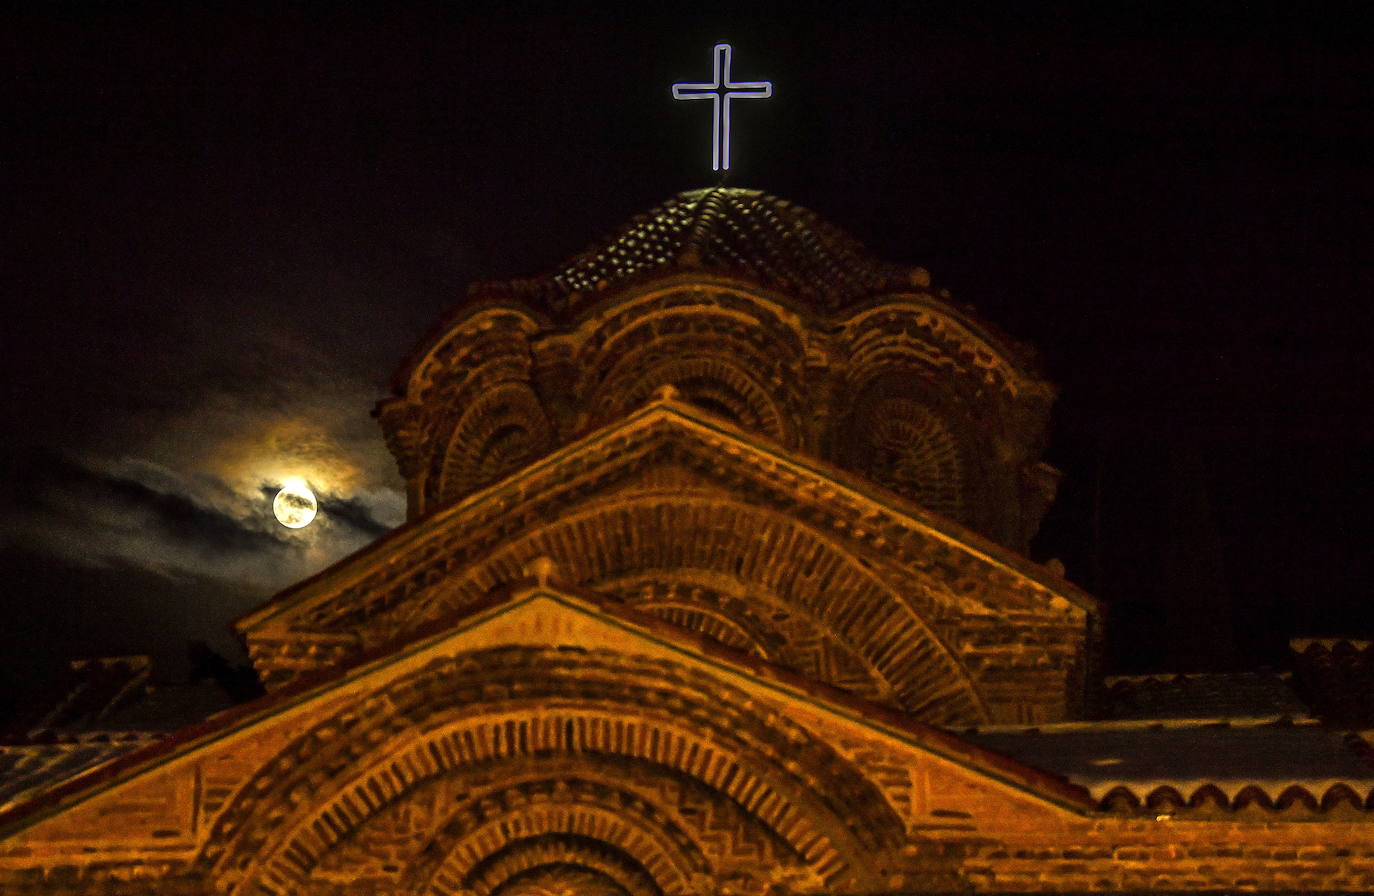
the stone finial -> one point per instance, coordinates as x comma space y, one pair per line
667, 392
542, 568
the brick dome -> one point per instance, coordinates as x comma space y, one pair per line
726, 230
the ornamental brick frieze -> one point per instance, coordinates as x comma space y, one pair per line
932, 332
496, 433
680, 539
142, 876
477, 337
603, 514
769, 365
566, 714
761, 622
842, 616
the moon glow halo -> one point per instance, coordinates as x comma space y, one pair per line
295, 506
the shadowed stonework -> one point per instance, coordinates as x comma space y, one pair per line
714, 582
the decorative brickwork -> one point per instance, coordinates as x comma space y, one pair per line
737, 540
691, 600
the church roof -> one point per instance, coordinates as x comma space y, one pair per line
1215, 695
1143, 761
850, 503
726, 230
527, 611
106, 708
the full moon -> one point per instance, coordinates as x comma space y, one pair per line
295, 505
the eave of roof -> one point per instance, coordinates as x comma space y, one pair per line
694, 647
685, 419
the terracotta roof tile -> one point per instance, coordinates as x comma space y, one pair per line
1225, 695
1144, 758
724, 230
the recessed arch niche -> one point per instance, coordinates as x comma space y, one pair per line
500, 431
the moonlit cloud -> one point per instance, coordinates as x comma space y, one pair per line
190, 494
198, 527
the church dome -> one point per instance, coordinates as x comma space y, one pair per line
726, 230
764, 316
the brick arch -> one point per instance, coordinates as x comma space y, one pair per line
502, 427
811, 827
566, 819
713, 624
767, 322
975, 418
508, 703
908, 432
770, 553
767, 626
717, 383
732, 351
904, 444
913, 329
554, 867
557, 879
712, 371
593, 808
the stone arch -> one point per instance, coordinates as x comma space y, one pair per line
553, 868
942, 412
716, 385
764, 551
740, 614
501, 429
460, 712
906, 446
562, 817
929, 444
733, 353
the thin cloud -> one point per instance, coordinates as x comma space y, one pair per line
140, 514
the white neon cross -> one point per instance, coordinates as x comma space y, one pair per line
721, 91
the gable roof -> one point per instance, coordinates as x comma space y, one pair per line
852, 506
1143, 759
536, 611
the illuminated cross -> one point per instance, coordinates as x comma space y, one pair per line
721, 91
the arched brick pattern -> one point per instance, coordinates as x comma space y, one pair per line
744, 616
713, 384
484, 849
556, 868
766, 553
499, 431
522, 702
911, 451
734, 354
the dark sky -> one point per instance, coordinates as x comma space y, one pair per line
225, 232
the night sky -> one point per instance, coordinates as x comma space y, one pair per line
224, 234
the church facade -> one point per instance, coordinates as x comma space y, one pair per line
714, 581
